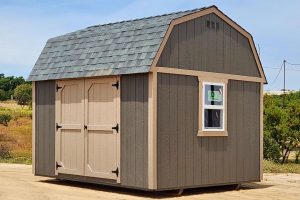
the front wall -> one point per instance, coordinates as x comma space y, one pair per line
45, 128
134, 130
192, 45
185, 159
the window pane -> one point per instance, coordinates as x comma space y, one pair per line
213, 118
213, 95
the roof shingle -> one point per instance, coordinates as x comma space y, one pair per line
118, 48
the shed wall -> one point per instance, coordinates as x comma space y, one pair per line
45, 128
185, 159
134, 130
217, 48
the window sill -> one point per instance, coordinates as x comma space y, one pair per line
212, 133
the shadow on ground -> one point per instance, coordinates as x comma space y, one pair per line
151, 194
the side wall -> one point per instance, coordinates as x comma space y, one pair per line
134, 130
45, 128
185, 159
209, 44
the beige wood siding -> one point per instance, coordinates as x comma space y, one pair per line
134, 128
192, 45
70, 137
100, 116
187, 160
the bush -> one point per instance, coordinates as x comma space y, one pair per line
2, 95
5, 118
22, 94
4, 152
271, 149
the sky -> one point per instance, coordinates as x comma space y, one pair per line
25, 26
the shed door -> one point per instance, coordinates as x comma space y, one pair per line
101, 117
70, 127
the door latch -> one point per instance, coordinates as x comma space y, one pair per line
57, 165
116, 128
116, 171
58, 126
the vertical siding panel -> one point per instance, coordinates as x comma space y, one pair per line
173, 131
197, 140
145, 131
247, 129
183, 46
174, 48
205, 44
124, 130
198, 44
240, 132
227, 47
134, 130
190, 44
233, 50
219, 47
163, 125
181, 130
138, 130
45, 132
190, 134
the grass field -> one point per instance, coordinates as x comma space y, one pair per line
17, 135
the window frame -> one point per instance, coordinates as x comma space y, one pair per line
215, 107
213, 131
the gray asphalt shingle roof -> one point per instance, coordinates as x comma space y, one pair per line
118, 48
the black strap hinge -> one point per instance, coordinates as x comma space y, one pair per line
116, 128
57, 88
116, 85
116, 171
57, 165
58, 126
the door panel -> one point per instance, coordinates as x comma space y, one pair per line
70, 127
100, 117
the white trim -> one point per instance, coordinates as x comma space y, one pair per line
217, 107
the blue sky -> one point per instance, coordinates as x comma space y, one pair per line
25, 26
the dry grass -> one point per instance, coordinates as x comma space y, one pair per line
272, 167
17, 135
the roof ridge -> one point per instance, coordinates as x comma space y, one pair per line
143, 18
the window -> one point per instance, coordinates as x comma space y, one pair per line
213, 107
212, 116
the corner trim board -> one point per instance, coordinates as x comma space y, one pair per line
223, 17
152, 131
261, 110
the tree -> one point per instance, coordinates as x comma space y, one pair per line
2, 95
281, 125
22, 94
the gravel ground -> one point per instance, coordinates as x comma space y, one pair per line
17, 182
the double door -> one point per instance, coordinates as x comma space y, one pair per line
87, 126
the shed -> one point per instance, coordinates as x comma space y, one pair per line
159, 103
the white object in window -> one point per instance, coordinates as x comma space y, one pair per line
213, 106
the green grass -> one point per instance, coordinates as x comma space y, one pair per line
272, 167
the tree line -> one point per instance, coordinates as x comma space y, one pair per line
15, 88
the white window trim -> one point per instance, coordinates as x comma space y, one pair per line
211, 132
220, 107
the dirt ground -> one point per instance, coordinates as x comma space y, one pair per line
17, 182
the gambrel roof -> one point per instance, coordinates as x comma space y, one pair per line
125, 47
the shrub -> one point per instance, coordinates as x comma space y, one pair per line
5, 118
2, 95
271, 149
22, 94
4, 152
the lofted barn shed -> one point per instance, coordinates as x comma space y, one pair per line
165, 102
